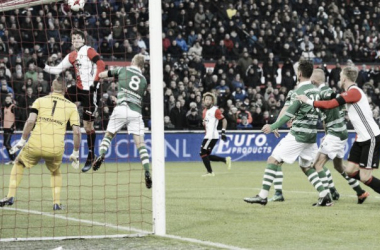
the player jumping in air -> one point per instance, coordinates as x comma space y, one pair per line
131, 87
211, 117
87, 64
48, 120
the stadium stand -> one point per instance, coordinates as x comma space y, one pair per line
243, 51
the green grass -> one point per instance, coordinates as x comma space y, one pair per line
209, 209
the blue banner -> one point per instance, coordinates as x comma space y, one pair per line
180, 146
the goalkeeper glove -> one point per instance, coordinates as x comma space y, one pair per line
74, 157
224, 137
20, 144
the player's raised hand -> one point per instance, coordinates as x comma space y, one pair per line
266, 129
302, 98
223, 136
74, 158
20, 144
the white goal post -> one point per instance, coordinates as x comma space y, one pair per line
157, 115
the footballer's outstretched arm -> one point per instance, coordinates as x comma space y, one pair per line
351, 96
103, 74
76, 137
282, 112
65, 64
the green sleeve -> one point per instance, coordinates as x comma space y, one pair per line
284, 119
293, 108
289, 114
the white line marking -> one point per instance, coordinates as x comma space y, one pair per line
141, 232
208, 243
78, 220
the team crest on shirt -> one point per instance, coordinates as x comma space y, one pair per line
77, 64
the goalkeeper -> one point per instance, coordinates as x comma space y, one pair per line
131, 87
48, 119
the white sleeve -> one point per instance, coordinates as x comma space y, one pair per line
65, 64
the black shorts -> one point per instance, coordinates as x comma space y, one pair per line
89, 100
366, 153
207, 146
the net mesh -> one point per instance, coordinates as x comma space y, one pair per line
111, 201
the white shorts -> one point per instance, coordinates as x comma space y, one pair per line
122, 115
288, 150
333, 147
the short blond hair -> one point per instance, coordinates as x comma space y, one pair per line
138, 60
59, 84
351, 72
318, 75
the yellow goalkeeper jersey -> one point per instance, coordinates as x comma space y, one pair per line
53, 113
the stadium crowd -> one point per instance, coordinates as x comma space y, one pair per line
253, 45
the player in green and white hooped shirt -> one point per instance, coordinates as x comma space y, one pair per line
334, 142
131, 87
300, 142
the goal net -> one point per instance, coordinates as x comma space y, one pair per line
111, 202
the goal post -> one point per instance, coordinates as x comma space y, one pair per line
158, 152
113, 201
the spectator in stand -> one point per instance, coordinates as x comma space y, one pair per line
231, 11
194, 120
174, 50
196, 49
165, 42
42, 82
335, 75
182, 43
199, 18
239, 94
208, 50
228, 43
308, 54
243, 112
27, 102
31, 72
168, 124
237, 82
306, 44
221, 49
197, 65
177, 116
192, 38
257, 118
9, 84
4, 91
232, 118
287, 80
245, 62
244, 124
363, 76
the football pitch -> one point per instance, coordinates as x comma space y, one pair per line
205, 209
